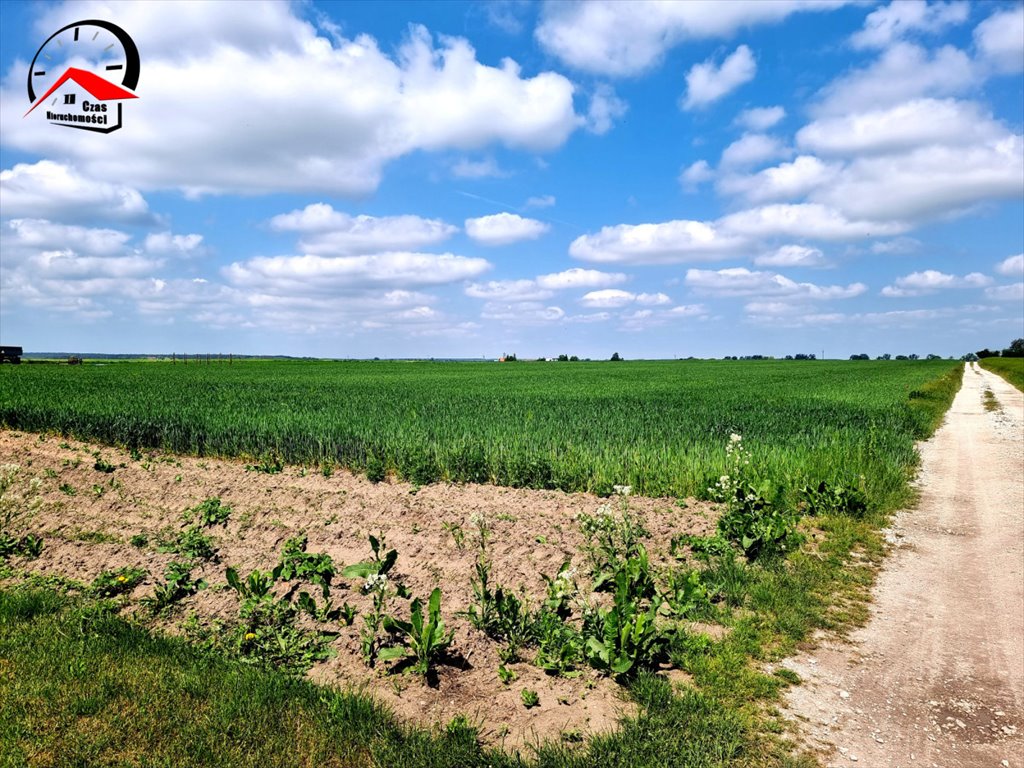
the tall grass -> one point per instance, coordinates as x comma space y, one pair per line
1010, 368
658, 426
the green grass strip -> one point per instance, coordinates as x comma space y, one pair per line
1010, 368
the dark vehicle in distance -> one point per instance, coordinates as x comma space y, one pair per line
10, 355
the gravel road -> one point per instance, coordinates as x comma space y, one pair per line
936, 677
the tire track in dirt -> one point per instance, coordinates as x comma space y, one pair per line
936, 678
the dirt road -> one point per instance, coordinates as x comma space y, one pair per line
936, 678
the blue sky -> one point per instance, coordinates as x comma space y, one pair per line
466, 179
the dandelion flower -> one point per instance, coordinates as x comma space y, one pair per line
250, 635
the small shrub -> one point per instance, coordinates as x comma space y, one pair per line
530, 698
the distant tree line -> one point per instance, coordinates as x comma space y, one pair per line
887, 356
798, 356
1016, 349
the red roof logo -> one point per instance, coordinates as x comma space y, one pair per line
98, 88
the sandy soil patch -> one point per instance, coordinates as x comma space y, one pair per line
533, 533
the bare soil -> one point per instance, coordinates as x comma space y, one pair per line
936, 678
533, 533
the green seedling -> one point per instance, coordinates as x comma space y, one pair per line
458, 535
380, 565
298, 564
208, 513
102, 466
177, 586
506, 675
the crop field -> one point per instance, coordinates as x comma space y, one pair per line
178, 546
661, 427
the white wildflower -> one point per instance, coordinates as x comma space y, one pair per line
375, 581
622, 490
734, 438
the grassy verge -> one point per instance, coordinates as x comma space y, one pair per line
81, 686
1010, 368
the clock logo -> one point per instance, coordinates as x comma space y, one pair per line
83, 72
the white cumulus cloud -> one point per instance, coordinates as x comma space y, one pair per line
760, 118
580, 278
665, 243
905, 126
258, 132
327, 231
791, 256
605, 108
504, 228
1011, 266
787, 181
805, 220
54, 191
613, 298
739, 281
1000, 39
903, 72
696, 174
611, 37
753, 149
931, 280
321, 274
902, 17
1014, 292
508, 290
707, 82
